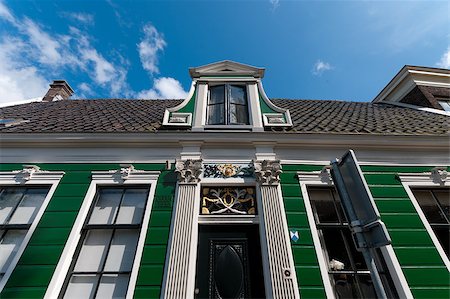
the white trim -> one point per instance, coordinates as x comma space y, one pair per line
234, 68
316, 178
171, 110
104, 178
20, 102
410, 76
285, 112
426, 109
38, 178
409, 181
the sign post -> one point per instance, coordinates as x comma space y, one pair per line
369, 232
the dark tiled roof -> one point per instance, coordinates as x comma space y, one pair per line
318, 116
86, 116
308, 116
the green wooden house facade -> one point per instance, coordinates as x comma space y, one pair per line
224, 194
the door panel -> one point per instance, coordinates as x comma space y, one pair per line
229, 262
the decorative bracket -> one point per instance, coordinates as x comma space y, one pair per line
325, 174
189, 171
439, 174
268, 172
27, 172
125, 172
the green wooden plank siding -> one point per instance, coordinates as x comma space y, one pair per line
422, 266
154, 255
306, 264
38, 262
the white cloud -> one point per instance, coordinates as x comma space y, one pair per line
274, 3
85, 18
445, 60
48, 48
148, 48
18, 81
320, 67
5, 13
164, 88
30, 53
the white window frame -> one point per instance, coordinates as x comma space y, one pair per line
227, 106
425, 180
24, 178
323, 179
101, 179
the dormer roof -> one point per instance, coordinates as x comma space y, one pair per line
226, 68
417, 86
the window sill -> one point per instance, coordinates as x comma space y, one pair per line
228, 127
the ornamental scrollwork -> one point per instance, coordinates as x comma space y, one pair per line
228, 200
188, 171
228, 170
268, 172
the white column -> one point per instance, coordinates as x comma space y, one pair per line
280, 271
180, 267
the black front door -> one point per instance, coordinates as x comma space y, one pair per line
229, 262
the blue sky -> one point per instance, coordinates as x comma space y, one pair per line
347, 50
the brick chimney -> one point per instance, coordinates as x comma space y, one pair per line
59, 90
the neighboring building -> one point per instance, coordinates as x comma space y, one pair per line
225, 194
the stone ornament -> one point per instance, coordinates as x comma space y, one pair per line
439, 174
268, 172
27, 172
189, 171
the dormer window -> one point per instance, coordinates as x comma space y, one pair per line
227, 105
227, 96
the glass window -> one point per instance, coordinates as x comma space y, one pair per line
347, 269
227, 105
18, 209
104, 258
435, 204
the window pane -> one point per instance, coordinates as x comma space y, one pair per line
81, 286
113, 286
94, 250
366, 285
122, 250
443, 196
357, 256
132, 207
443, 235
238, 114
106, 206
216, 114
9, 198
29, 206
429, 206
345, 286
8, 247
323, 204
217, 94
238, 95
335, 247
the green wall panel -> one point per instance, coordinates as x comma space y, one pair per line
35, 268
431, 293
418, 256
312, 292
41, 255
145, 292
23, 293
427, 276
150, 275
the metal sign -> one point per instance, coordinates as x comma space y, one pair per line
358, 203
